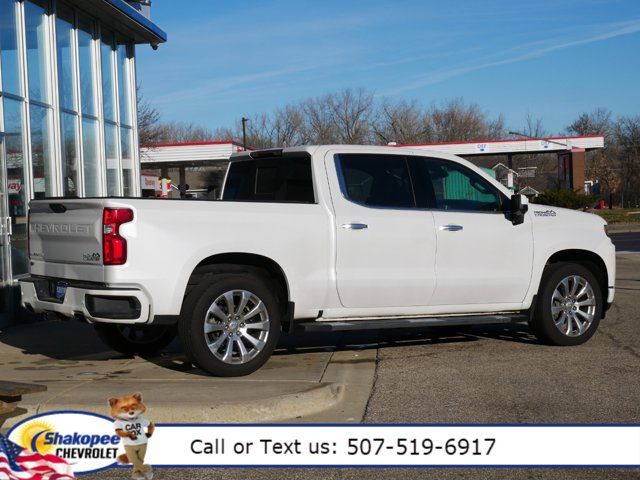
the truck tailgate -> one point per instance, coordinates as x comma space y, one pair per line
66, 232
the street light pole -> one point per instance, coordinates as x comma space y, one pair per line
244, 132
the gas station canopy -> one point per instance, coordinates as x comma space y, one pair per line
513, 146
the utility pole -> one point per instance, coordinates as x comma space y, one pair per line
244, 132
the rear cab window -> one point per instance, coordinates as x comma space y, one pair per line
286, 179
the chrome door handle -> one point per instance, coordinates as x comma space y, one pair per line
6, 227
355, 226
451, 228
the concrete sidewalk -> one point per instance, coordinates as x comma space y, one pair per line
307, 379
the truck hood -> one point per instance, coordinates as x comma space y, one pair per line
550, 213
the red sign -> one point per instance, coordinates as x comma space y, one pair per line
149, 182
14, 185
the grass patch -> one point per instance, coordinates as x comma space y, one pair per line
619, 215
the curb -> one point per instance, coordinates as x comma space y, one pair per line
624, 228
275, 409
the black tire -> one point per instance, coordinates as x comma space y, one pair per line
543, 324
134, 339
192, 322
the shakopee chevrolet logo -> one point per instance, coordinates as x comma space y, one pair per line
85, 440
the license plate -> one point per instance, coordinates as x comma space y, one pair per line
61, 291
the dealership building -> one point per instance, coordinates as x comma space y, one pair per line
67, 110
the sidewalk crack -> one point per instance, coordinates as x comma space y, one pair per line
326, 366
374, 385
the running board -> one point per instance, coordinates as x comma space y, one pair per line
453, 321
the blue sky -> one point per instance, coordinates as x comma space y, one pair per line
551, 58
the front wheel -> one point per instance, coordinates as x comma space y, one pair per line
230, 324
569, 306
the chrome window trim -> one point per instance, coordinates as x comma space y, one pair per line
345, 195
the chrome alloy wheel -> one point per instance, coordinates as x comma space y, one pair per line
236, 326
573, 306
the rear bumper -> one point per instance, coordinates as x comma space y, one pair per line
95, 304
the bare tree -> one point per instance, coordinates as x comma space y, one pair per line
456, 120
181, 132
353, 117
627, 138
533, 127
318, 121
599, 121
148, 119
351, 112
402, 122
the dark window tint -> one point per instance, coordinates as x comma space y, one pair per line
376, 180
449, 186
285, 179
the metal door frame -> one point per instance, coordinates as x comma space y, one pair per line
6, 277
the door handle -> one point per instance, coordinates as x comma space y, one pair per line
6, 226
355, 226
451, 228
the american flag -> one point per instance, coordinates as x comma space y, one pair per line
17, 463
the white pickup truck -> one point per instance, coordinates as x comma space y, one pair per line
319, 238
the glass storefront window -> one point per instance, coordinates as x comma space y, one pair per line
113, 167
16, 182
67, 93
64, 39
9, 48
36, 37
90, 162
86, 59
41, 155
124, 93
108, 84
69, 137
127, 162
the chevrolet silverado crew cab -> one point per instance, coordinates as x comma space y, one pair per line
318, 238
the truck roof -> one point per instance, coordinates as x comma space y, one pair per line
318, 151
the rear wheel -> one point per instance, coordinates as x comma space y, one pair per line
135, 339
569, 305
230, 324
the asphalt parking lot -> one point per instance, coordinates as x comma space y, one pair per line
491, 374
627, 242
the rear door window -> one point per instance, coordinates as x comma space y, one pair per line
286, 179
376, 180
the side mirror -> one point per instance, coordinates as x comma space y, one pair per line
519, 206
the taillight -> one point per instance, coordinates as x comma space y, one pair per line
114, 247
